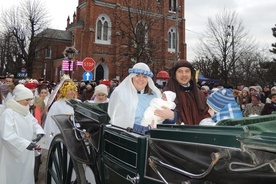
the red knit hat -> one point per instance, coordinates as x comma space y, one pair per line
106, 82
31, 84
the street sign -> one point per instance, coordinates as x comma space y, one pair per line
23, 70
88, 64
87, 76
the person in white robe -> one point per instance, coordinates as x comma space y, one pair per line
150, 118
67, 91
19, 134
131, 98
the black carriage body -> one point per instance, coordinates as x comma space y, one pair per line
173, 153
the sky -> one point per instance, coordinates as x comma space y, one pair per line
58, 10
258, 19
258, 16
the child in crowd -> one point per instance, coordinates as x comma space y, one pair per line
222, 105
100, 94
167, 100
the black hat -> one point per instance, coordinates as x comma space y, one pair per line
272, 94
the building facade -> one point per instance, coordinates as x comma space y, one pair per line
119, 33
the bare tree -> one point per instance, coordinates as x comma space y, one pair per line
273, 50
138, 33
21, 24
223, 47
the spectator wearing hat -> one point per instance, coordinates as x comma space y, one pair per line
19, 133
222, 105
269, 108
273, 90
131, 98
255, 107
267, 91
205, 89
100, 94
240, 86
108, 85
32, 85
190, 102
253, 89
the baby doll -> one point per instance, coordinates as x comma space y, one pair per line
167, 100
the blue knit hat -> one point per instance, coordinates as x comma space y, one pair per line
220, 98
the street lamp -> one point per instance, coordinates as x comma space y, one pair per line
69, 53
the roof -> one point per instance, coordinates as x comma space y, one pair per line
56, 34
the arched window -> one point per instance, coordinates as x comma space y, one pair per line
103, 29
172, 39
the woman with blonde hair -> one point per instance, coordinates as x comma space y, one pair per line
67, 92
39, 107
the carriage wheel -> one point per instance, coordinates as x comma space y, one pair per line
61, 168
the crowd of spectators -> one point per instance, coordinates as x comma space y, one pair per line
194, 103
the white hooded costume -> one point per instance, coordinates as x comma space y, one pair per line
18, 128
124, 99
155, 104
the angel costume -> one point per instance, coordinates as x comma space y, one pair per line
51, 129
17, 129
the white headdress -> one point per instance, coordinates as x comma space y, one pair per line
124, 99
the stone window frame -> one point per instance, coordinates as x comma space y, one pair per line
103, 29
172, 34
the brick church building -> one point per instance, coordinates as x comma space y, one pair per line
116, 34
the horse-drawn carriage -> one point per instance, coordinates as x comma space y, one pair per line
89, 150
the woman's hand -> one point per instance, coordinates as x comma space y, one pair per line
164, 113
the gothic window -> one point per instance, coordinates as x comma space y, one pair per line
103, 29
48, 52
172, 39
172, 5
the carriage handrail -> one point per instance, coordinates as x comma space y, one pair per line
83, 134
215, 157
244, 167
